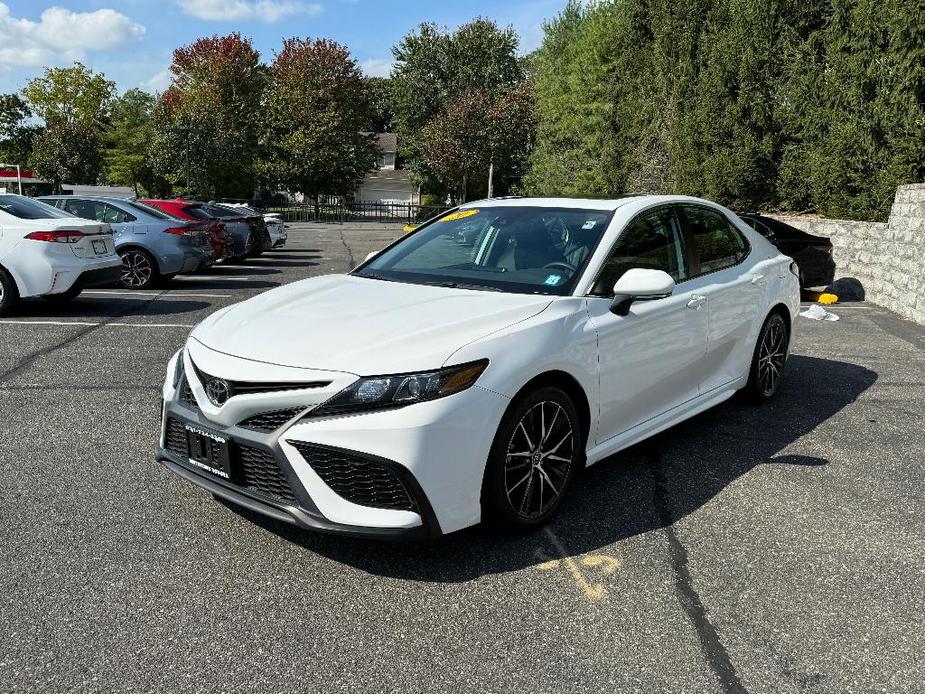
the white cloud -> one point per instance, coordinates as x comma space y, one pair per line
377, 67
158, 82
62, 35
268, 11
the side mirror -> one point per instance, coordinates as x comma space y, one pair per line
639, 284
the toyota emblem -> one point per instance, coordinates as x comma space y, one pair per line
219, 391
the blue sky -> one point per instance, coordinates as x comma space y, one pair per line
131, 41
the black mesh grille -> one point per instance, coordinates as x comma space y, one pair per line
259, 472
186, 395
270, 421
357, 479
175, 437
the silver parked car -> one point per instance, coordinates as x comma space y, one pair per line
153, 246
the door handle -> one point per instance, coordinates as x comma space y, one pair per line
696, 302
757, 279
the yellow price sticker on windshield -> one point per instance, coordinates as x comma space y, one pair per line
462, 214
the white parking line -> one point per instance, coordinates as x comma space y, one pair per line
100, 323
168, 295
212, 278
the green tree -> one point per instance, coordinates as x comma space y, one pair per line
315, 112
204, 138
381, 105
71, 95
127, 139
67, 152
16, 134
437, 78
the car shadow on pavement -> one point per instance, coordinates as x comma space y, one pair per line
105, 307
643, 488
218, 282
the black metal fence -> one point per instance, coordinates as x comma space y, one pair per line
341, 212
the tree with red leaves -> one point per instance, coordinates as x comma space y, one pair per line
206, 126
316, 109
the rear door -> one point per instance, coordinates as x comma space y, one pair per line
720, 271
649, 360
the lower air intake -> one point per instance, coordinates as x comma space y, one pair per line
359, 480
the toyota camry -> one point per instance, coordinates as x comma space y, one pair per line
442, 384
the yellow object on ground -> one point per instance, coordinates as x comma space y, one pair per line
828, 298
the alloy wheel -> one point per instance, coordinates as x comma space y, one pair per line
539, 458
136, 269
771, 356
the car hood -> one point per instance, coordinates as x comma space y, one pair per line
362, 326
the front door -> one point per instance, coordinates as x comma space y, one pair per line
649, 359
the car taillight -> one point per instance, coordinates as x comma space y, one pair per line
56, 236
183, 231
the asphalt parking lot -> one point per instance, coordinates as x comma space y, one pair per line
775, 549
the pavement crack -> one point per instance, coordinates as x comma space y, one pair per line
351, 262
714, 651
28, 360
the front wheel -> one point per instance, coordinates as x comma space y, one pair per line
139, 271
768, 360
537, 449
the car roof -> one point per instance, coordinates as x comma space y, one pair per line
611, 204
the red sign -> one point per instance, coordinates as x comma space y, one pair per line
11, 173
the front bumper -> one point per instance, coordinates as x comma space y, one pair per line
437, 451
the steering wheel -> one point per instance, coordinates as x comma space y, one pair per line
559, 265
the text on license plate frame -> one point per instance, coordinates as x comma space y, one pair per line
208, 451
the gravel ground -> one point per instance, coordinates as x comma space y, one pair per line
775, 549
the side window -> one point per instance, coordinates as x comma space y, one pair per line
84, 209
651, 241
113, 215
715, 244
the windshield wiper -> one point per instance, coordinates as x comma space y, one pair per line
451, 284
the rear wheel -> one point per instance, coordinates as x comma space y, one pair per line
8, 292
768, 360
535, 454
139, 271
63, 297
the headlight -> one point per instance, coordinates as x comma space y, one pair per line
376, 392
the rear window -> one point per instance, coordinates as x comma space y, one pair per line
198, 212
149, 210
27, 208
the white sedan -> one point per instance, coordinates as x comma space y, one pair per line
49, 253
441, 384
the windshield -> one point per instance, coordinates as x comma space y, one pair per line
535, 250
27, 208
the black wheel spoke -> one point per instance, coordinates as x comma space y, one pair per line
539, 457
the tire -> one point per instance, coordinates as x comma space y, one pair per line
527, 475
768, 360
139, 269
9, 294
63, 297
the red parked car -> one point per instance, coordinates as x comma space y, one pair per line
186, 210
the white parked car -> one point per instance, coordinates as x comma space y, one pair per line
49, 253
441, 384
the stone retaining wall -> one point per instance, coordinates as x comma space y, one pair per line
888, 258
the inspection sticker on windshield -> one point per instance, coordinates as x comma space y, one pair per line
590, 224
462, 214
553, 280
